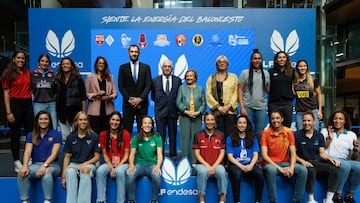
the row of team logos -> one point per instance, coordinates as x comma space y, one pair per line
180, 40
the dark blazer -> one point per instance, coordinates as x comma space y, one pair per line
129, 88
165, 104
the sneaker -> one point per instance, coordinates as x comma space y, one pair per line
47, 201
349, 199
338, 200
312, 201
328, 201
18, 165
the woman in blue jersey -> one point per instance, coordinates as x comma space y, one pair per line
242, 149
42, 146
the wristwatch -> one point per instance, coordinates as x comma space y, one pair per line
45, 165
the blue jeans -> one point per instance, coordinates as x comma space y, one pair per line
257, 118
299, 116
203, 176
47, 181
75, 187
143, 170
349, 171
301, 175
50, 107
102, 174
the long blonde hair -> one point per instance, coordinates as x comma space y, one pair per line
76, 125
308, 77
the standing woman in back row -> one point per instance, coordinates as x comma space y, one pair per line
17, 99
101, 92
222, 95
72, 96
44, 88
281, 95
308, 94
253, 85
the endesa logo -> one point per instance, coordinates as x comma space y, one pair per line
61, 49
177, 176
290, 46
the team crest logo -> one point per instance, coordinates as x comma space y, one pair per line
99, 40
176, 175
56, 49
198, 40
161, 41
290, 46
142, 41
181, 40
125, 40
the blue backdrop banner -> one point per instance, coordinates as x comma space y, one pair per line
191, 38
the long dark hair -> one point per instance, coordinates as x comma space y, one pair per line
289, 71
142, 134
73, 73
249, 135
36, 129
119, 132
105, 74
347, 124
251, 70
12, 71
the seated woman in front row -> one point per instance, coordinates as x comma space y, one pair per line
310, 149
42, 145
341, 143
147, 147
115, 147
242, 149
81, 153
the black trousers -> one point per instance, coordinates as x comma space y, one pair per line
322, 169
22, 110
236, 174
130, 113
170, 124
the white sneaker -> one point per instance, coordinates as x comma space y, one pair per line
312, 201
18, 165
47, 201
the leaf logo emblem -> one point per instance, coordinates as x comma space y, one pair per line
181, 66
52, 44
176, 175
291, 45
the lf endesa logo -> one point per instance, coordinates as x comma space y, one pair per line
61, 49
177, 176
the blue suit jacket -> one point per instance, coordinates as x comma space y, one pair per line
165, 105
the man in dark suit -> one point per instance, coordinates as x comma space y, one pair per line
164, 91
134, 84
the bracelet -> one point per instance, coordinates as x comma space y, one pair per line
8, 113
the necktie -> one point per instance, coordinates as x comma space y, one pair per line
134, 73
167, 87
